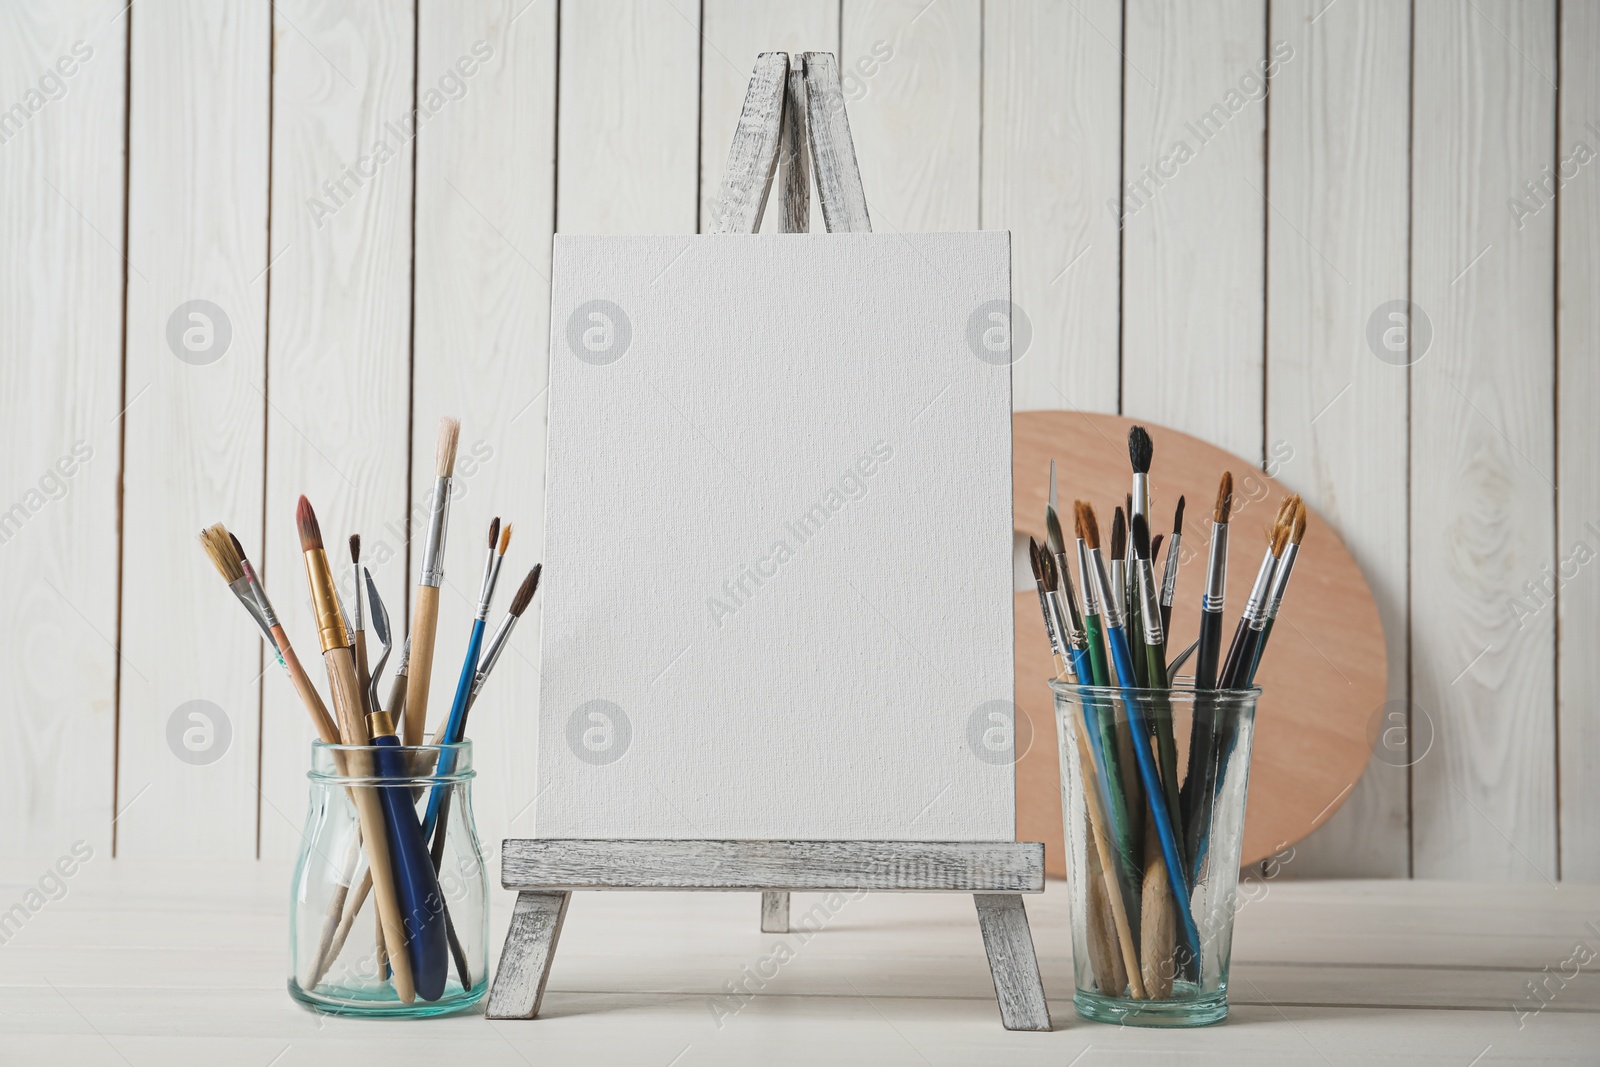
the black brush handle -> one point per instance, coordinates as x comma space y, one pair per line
1238, 654
1202, 739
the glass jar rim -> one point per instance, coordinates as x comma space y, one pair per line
1181, 691
324, 757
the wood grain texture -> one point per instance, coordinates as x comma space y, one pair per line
1052, 153
902, 866
530, 949
1336, 413
840, 193
197, 214
736, 31
1012, 963
1322, 674
630, 86
775, 913
794, 160
61, 325
753, 154
917, 113
1483, 464
338, 363
1578, 518
1192, 235
485, 209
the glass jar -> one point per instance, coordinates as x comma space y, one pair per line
338, 958
1151, 947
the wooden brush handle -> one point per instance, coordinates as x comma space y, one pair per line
363, 676
1108, 868
374, 832
1105, 955
424, 627
352, 907
308, 692
1158, 925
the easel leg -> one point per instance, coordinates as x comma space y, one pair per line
1012, 962
525, 961
774, 913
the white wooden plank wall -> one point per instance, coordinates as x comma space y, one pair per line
1401, 154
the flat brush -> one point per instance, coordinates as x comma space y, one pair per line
1057, 649
425, 614
1119, 572
223, 548
1280, 582
1122, 657
347, 702
1077, 649
220, 547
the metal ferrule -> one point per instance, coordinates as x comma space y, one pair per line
1255, 609
1070, 595
1111, 609
433, 547
1071, 637
1117, 594
491, 572
491, 651
1280, 580
241, 589
269, 618
1216, 569
356, 623
381, 723
1169, 578
1050, 621
325, 601
1149, 602
1091, 588
1141, 499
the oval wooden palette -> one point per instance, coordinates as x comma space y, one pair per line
1323, 676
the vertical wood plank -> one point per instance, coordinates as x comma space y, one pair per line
485, 208
916, 116
1336, 412
736, 31
1193, 185
1482, 476
1578, 343
61, 245
1052, 152
626, 159
339, 368
197, 216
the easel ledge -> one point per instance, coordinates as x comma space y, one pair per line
546, 872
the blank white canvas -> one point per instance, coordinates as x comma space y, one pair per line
778, 592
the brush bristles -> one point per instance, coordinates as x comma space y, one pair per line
1052, 523
1155, 547
494, 532
218, 544
444, 462
1224, 508
1119, 534
1141, 538
310, 532
505, 539
1140, 449
1087, 528
524, 597
1037, 563
355, 549
1177, 519
1298, 533
244, 557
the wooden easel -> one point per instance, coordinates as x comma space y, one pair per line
793, 113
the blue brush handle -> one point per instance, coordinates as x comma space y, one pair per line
455, 726
1123, 657
421, 902
1082, 667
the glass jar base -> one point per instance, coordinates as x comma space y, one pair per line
1181, 1010
380, 1004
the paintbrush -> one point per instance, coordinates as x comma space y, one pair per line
425, 614
1035, 559
1241, 653
1077, 648
455, 725
1066, 597
1203, 727
1118, 593
1169, 578
358, 627
1092, 629
353, 731
228, 555
1122, 658
1155, 656
1280, 581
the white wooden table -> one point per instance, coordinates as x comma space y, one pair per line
164, 965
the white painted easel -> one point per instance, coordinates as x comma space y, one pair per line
799, 105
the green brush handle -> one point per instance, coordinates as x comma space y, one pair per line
1106, 740
1161, 725
1097, 650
